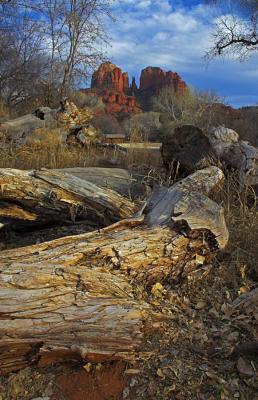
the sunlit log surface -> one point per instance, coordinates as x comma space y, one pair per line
76, 298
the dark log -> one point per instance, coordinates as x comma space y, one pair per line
188, 147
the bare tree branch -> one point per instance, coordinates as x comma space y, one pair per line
236, 32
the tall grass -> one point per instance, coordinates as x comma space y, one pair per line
241, 215
3, 111
46, 149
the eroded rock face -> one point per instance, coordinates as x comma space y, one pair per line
112, 84
109, 76
133, 86
153, 79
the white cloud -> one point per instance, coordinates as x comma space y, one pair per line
158, 33
176, 21
143, 4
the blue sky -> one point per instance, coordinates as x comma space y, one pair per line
174, 35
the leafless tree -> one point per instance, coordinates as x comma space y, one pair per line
22, 60
51, 45
74, 32
236, 32
184, 107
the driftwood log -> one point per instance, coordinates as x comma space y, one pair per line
237, 154
20, 130
33, 198
79, 297
120, 180
71, 125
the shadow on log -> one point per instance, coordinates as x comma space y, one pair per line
30, 198
78, 297
188, 148
120, 180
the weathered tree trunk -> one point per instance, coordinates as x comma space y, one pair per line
20, 130
193, 149
79, 298
30, 198
120, 180
237, 154
61, 312
188, 147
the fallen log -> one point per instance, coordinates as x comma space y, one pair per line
33, 198
236, 154
80, 298
20, 130
120, 180
188, 148
68, 124
57, 313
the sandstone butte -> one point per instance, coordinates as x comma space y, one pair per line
112, 84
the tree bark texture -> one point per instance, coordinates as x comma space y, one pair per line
85, 297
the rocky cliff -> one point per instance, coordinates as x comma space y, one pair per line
153, 79
109, 76
112, 84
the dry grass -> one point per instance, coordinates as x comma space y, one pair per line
46, 149
242, 221
37, 156
3, 111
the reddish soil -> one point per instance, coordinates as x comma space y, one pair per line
106, 384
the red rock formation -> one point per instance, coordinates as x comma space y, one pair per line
109, 76
125, 82
153, 79
133, 87
112, 85
118, 102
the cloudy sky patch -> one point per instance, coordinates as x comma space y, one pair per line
175, 35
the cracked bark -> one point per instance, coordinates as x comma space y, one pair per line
34, 198
80, 298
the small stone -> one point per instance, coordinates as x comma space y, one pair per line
41, 398
133, 382
87, 367
244, 367
200, 305
126, 392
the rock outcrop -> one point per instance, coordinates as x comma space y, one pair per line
153, 79
133, 87
112, 84
109, 76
